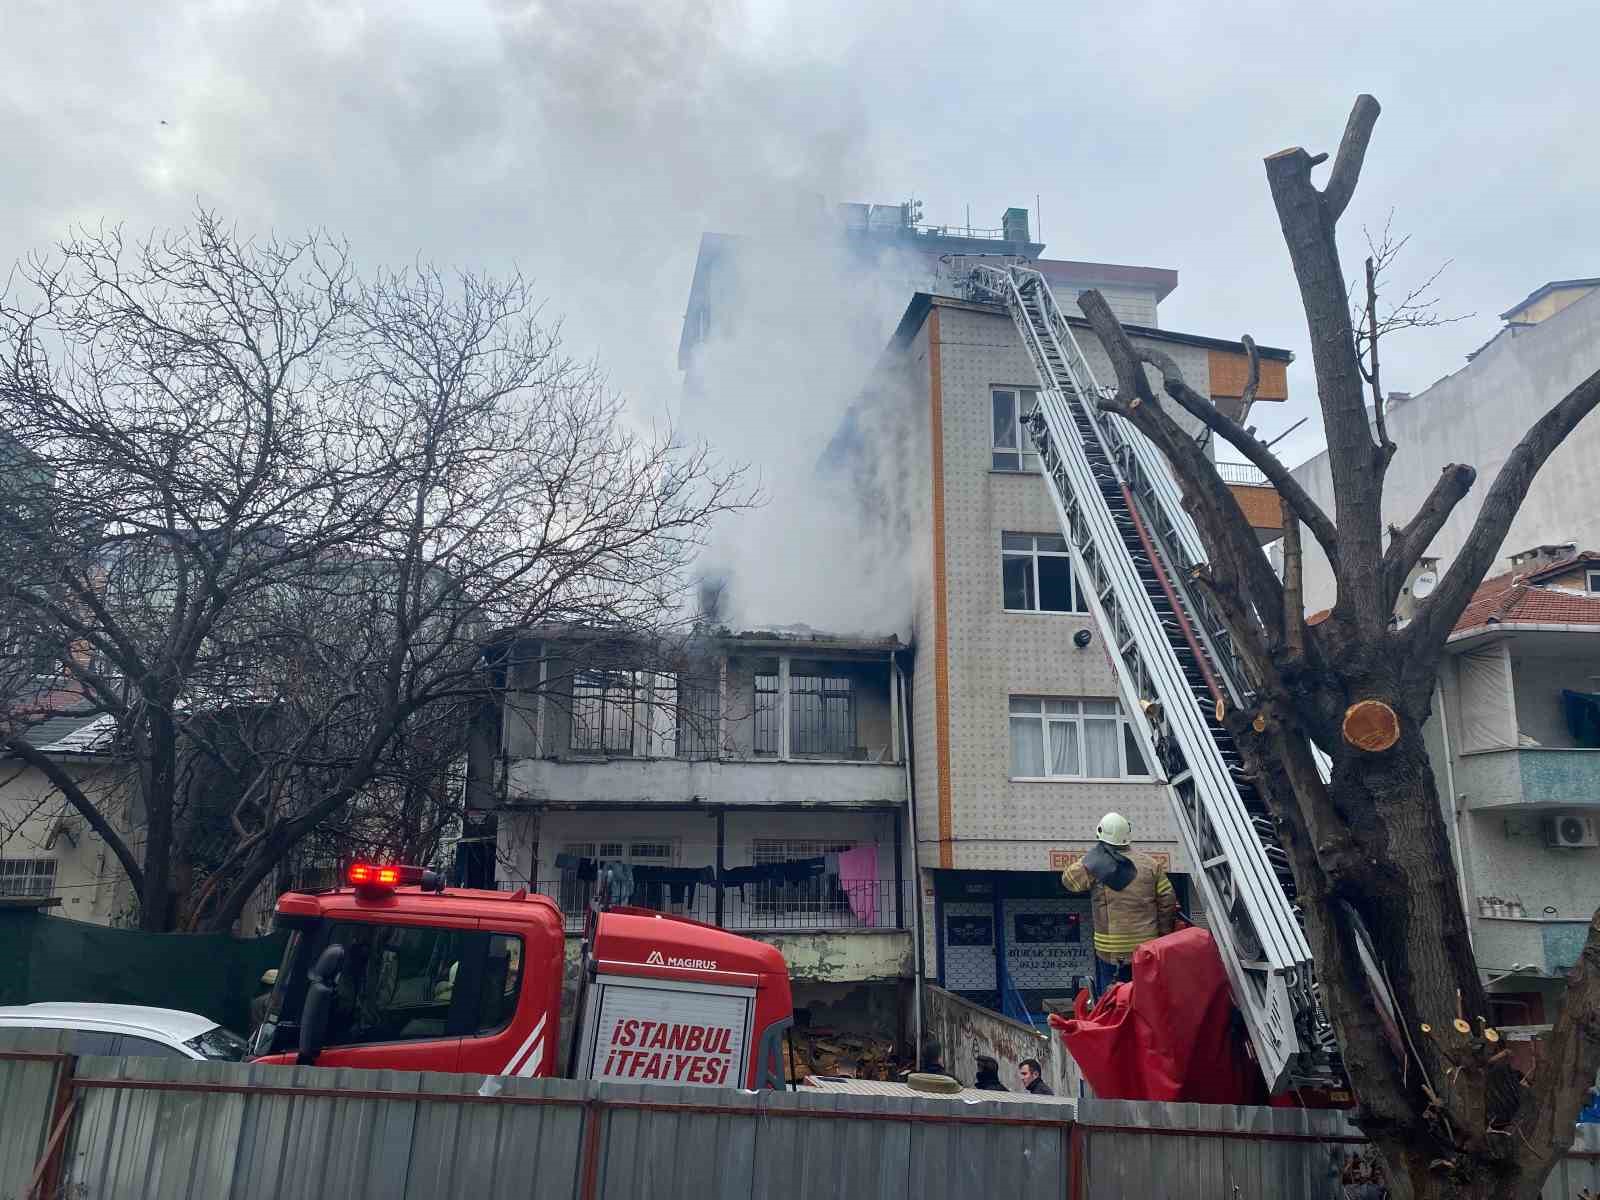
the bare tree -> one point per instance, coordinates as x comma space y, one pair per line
1449, 1114
282, 509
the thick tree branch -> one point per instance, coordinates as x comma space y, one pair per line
1439, 613
1352, 152
1411, 543
1294, 604
1246, 443
1308, 218
1236, 558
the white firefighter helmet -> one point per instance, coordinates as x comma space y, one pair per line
1114, 830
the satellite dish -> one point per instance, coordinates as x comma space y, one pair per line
1423, 584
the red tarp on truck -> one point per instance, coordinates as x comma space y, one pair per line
1171, 1034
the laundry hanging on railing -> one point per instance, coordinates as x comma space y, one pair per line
858, 879
585, 870
680, 881
794, 870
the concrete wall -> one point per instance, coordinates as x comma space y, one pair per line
966, 1030
673, 781
35, 823
1476, 416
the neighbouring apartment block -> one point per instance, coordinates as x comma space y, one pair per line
1517, 766
754, 781
1515, 741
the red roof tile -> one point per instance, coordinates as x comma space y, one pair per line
1518, 598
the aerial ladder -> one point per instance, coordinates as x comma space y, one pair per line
1135, 549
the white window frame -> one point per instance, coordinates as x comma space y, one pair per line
1022, 399
33, 877
1591, 580
1074, 717
1080, 603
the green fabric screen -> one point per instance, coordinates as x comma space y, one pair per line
54, 958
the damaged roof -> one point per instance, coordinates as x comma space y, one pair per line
917, 311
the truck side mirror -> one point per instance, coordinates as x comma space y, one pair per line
318, 1006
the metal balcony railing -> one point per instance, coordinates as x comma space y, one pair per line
1243, 473
815, 904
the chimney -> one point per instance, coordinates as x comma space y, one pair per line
1542, 556
1014, 226
1395, 400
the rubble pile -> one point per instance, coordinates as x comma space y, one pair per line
823, 1051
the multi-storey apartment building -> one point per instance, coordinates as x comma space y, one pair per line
1020, 740
755, 781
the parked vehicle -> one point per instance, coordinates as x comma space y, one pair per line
397, 971
130, 1030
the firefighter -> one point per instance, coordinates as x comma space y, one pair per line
1130, 894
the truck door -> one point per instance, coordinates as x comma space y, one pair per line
400, 1003
666, 1031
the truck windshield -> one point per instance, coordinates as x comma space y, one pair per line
219, 1044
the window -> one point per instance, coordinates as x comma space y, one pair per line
1036, 574
1011, 443
822, 715
816, 896
602, 712
1072, 739
27, 877
1591, 581
626, 713
398, 982
502, 977
768, 740
575, 893
91, 1041
138, 1047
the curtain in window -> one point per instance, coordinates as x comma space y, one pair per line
1063, 748
1027, 747
1100, 755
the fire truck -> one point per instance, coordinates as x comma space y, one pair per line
398, 971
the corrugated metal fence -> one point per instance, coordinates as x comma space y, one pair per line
133, 1129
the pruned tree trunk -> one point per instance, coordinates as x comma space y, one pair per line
1370, 850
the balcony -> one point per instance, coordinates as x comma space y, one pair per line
746, 782
1532, 777
1528, 947
1257, 498
866, 907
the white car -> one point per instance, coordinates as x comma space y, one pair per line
130, 1030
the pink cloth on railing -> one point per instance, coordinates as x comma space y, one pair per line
858, 878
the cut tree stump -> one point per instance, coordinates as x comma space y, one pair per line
1371, 725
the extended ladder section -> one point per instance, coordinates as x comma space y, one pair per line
1134, 547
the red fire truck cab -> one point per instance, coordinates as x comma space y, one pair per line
397, 971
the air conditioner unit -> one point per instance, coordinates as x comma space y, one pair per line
1570, 832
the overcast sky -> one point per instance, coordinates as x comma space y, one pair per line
591, 142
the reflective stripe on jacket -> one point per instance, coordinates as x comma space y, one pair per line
1126, 920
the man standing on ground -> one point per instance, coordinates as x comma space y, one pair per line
1033, 1078
1130, 894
